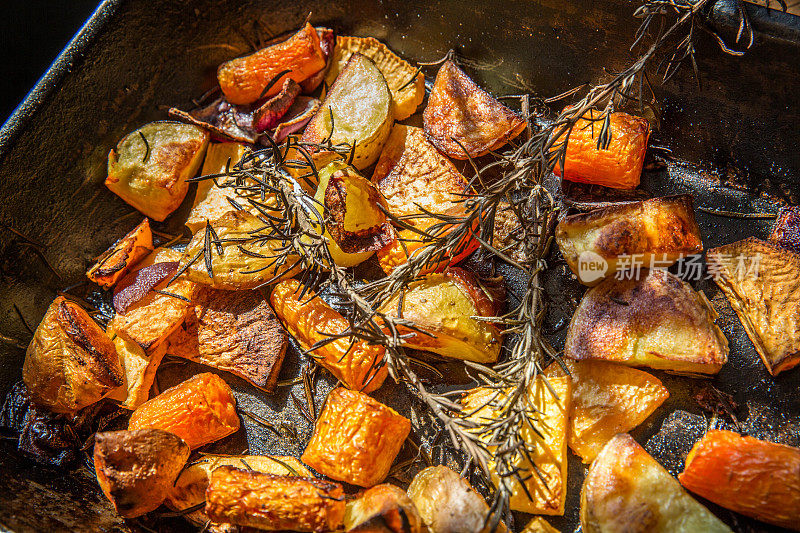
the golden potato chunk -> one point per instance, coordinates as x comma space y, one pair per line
122, 256
539, 525
382, 509
149, 167
138, 370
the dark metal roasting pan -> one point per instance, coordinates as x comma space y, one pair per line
735, 145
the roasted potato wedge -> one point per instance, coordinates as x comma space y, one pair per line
406, 84
149, 167
539, 525
122, 256
382, 509
138, 370
607, 399
762, 283
545, 484
275, 503
786, 231
445, 306
136, 469
200, 410
657, 321
356, 438
310, 320
750, 476
462, 120
626, 490
70, 362
654, 233
234, 331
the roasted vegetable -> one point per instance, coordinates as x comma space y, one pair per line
657, 321
243, 80
750, 476
356, 438
274, 503
408, 243
617, 165
310, 320
544, 469
406, 83
762, 283
606, 399
200, 410
210, 200
70, 362
234, 331
302, 111
138, 370
122, 256
382, 509
626, 490
149, 167
539, 525
786, 231
462, 120
654, 233
136, 469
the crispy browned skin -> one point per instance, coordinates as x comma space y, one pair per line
382, 509
356, 438
353, 213
122, 256
461, 116
750, 476
786, 231
70, 362
136, 469
274, 503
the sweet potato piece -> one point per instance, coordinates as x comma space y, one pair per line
461, 116
138, 370
606, 399
310, 319
382, 509
70, 363
356, 438
786, 231
274, 503
619, 166
234, 331
200, 410
136, 469
539, 525
750, 476
407, 243
122, 256
243, 79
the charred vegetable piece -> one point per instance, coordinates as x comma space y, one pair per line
762, 283
544, 470
120, 258
310, 320
653, 233
539, 525
617, 165
508, 235
445, 306
223, 120
274, 503
70, 362
302, 111
138, 370
210, 200
786, 231
405, 82
136, 469
243, 80
200, 410
356, 438
408, 243
382, 509
750, 476
149, 167
627, 490
606, 399
657, 321
268, 115
327, 42
462, 120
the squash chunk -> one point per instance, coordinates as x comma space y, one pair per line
750, 476
136, 469
356, 438
606, 399
382, 509
138, 370
70, 363
122, 256
619, 165
547, 486
627, 490
658, 321
760, 280
234, 331
210, 200
406, 84
149, 167
200, 410
275, 503
243, 79
462, 120
409, 243
539, 525
311, 320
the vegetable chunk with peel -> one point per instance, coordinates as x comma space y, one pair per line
117, 261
